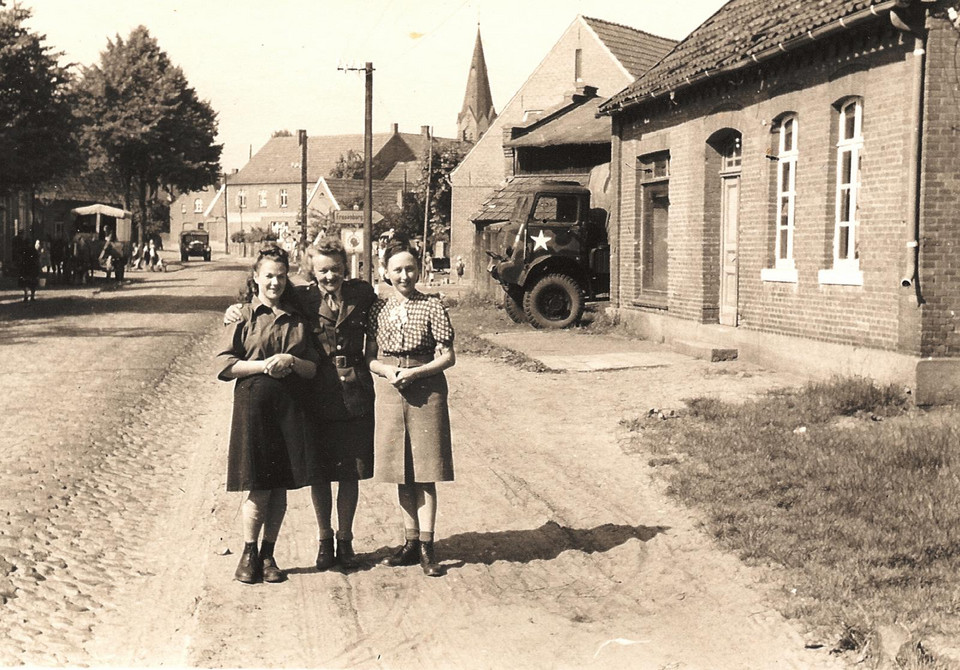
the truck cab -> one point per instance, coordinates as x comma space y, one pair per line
552, 255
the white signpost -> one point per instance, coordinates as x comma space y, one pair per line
352, 239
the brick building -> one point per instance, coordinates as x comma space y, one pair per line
775, 171
591, 54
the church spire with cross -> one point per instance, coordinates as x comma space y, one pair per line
477, 113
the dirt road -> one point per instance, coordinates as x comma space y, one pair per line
561, 551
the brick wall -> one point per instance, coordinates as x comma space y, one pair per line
875, 65
484, 168
940, 196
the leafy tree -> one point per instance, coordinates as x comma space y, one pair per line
281, 133
144, 122
37, 127
409, 220
349, 166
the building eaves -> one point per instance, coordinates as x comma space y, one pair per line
743, 33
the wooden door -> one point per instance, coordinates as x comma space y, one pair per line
729, 257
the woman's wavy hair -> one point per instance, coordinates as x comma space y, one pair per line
326, 246
398, 244
273, 252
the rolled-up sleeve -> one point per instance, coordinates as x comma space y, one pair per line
232, 349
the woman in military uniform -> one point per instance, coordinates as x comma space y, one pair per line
346, 393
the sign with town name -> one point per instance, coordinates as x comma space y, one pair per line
354, 217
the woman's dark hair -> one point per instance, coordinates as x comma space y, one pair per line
327, 246
399, 244
272, 252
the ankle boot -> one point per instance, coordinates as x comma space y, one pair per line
271, 572
325, 556
406, 555
430, 566
250, 569
346, 556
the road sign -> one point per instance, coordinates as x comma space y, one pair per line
352, 240
354, 217
349, 217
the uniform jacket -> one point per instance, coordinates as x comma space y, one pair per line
346, 384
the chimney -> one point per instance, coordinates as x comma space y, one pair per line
425, 131
396, 128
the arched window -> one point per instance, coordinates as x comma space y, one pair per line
198, 205
787, 155
849, 147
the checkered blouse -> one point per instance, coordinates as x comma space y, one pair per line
414, 326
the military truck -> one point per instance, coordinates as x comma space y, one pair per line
552, 255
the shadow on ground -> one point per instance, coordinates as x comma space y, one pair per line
522, 546
50, 307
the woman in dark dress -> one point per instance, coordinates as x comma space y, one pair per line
28, 274
273, 447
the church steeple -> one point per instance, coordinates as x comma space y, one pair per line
477, 113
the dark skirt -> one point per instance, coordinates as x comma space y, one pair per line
413, 432
348, 447
273, 438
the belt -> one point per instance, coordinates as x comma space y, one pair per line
407, 360
347, 361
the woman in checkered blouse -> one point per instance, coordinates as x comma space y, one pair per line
410, 345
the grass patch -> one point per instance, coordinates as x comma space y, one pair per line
855, 495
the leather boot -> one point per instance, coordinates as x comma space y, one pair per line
250, 569
346, 556
406, 555
430, 566
325, 556
271, 573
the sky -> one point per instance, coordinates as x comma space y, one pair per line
266, 66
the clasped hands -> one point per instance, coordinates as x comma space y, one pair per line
278, 366
400, 378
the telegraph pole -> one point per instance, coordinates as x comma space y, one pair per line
368, 176
426, 204
367, 170
302, 139
226, 222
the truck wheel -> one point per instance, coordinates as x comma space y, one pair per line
206, 257
553, 302
513, 306
183, 257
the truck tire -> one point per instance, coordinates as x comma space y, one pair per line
554, 301
183, 257
513, 305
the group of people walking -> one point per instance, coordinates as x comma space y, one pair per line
336, 385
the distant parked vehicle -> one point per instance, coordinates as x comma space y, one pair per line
194, 243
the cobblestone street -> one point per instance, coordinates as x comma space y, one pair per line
118, 541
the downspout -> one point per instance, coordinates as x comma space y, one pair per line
914, 149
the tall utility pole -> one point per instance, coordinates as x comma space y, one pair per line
368, 176
226, 222
426, 202
367, 170
302, 139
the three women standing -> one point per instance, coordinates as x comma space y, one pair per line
412, 436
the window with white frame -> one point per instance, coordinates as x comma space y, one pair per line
241, 199
262, 198
283, 197
849, 147
198, 205
787, 156
183, 207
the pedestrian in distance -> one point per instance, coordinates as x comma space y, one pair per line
337, 309
411, 345
28, 268
459, 268
273, 448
